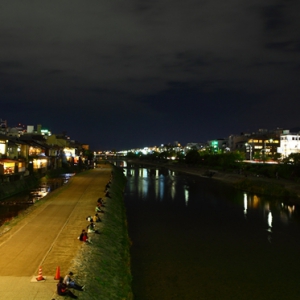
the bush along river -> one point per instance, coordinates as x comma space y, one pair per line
198, 238
10, 207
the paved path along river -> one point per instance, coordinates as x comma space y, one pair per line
47, 238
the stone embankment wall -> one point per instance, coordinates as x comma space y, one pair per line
8, 189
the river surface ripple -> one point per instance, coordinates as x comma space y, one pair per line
197, 238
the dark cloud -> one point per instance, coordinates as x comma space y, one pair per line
54, 72
6, 65
135, 73
274, 17
288, 46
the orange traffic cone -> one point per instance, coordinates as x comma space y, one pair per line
57, 275
40, 276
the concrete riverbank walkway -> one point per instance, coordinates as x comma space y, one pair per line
47, 238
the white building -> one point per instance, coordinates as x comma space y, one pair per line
289, 143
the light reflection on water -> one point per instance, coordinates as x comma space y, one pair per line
196, 238
15, 205
166, 182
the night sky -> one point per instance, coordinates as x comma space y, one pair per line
122, 74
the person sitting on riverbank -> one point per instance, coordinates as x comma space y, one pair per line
91, 228
81, 235
62, 290
96, 218
86, 239
98, 209
107, 186
70, 282
100, 200
89, 218
100, 204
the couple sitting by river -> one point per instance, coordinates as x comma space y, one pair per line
95, 218
84, 237
90, 229
66, 283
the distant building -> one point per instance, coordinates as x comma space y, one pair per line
194, 146
289, 143
218, 145
260, 144
3, 123
3, 145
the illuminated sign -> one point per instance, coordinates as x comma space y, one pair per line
45, 132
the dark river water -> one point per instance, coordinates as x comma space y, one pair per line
196, 238
13, 206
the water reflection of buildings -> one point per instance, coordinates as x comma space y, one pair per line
245, 204
270, 219
250, 202
186, 195
286, 212
143, 184
164, 182
161, 187
172, 184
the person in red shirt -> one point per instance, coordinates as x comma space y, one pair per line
85, 237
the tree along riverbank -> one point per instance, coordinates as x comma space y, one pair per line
247, 182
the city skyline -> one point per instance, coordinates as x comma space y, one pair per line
39, 129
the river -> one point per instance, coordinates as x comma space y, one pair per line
197, 238
14, 206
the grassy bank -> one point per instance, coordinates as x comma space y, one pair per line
104, 266
278, 188
273, 189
